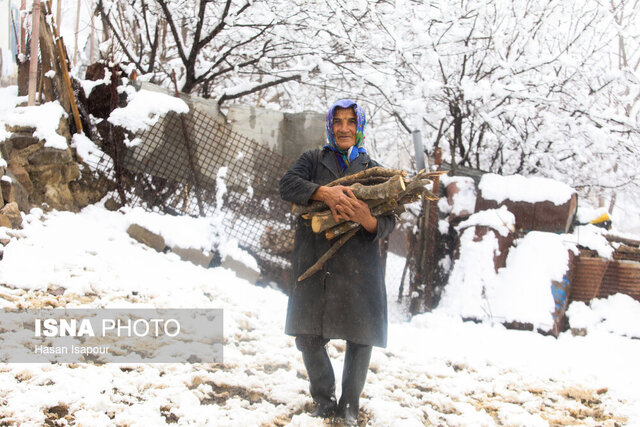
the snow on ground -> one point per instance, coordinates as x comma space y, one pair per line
436, 370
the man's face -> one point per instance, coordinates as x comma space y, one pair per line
344, 127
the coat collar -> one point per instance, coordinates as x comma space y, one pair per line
329, 161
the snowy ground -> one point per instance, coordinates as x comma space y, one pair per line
437, 370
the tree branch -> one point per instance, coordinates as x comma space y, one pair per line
225, 97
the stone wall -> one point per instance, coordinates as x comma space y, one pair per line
41, 176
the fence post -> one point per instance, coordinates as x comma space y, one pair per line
423, 256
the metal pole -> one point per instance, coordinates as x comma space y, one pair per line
419, 150
33, 58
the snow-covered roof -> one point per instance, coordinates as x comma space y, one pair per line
519, 188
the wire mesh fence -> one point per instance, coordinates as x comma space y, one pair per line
180, 164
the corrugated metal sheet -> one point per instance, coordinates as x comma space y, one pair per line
621, 277
596, 277
587, 278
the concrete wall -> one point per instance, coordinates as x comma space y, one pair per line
285, 133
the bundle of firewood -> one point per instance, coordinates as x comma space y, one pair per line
384, 190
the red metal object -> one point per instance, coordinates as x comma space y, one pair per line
504, 243
540, 216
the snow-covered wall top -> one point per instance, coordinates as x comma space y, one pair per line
518, 188
145, 108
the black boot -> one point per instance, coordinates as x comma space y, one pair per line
321, 378
354, 375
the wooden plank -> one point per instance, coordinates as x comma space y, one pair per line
46, 38
66, 79
33, 57
62, 56
45, 57
47, 44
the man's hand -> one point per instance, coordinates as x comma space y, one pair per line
353, 209
332, 196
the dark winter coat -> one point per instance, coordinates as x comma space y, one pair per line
347, 299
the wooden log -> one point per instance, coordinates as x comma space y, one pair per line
386, 190
381, 209
408, 198
376, 171
415, 186
340, 229
318, 264
373, 180
396, 211
382, 175
429, 174
429, 195
322, 221
315, 206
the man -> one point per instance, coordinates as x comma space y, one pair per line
347, 299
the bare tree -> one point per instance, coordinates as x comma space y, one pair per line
222, 48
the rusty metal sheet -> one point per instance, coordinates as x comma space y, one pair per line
504, 243
595, 277
621, 277
541, 216
587, 278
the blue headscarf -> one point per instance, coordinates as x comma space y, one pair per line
347, 156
